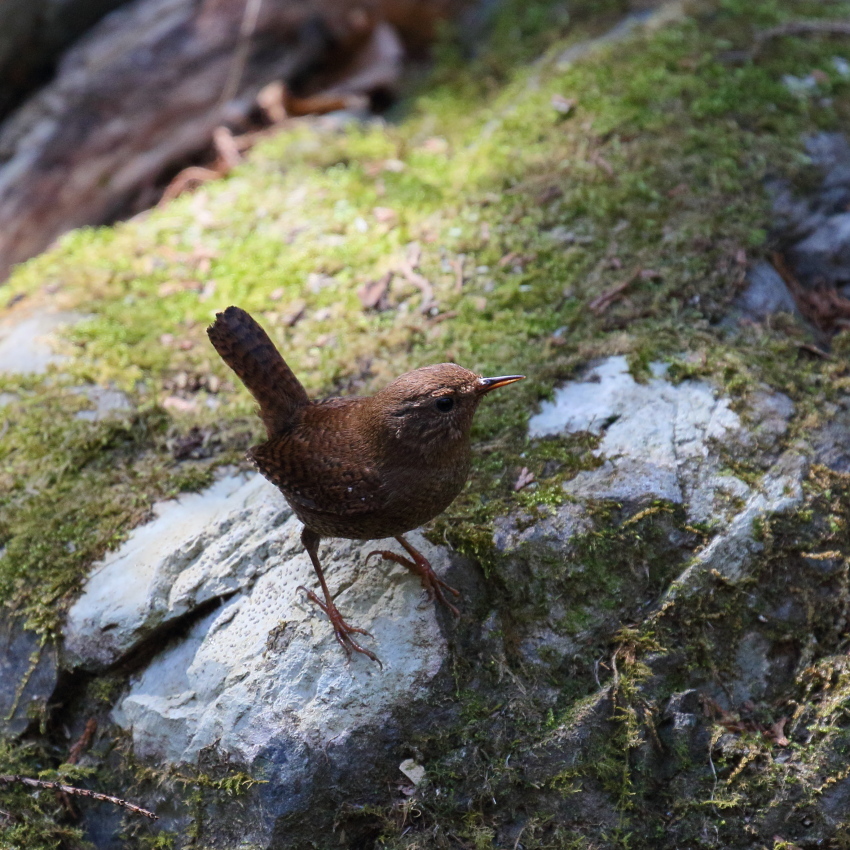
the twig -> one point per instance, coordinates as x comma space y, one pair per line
83, 743
240, 55
408, 268
799, 28
71, 790
602, 302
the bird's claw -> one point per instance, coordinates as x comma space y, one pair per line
431, 582
342, 631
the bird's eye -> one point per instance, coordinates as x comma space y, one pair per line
445, 404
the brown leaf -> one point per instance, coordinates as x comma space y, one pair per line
523, 480
294, 313
179, 405
373, 293
602, 302
776, 733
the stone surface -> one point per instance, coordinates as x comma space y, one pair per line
659, 440
27, 342
672, 442
28, 674
817, 227
255, 665
765, 295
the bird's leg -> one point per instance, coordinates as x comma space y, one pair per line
342, 631
418, 564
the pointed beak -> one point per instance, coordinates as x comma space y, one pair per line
487, 384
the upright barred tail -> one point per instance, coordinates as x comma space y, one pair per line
247, 349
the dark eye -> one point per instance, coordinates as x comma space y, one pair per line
445, 404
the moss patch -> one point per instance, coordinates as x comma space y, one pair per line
522, 218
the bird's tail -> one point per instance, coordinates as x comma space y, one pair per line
247, 349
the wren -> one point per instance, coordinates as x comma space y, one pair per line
362, 468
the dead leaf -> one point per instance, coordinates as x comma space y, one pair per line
523, 480
549, 194
562, 105
272, 100
373, 293
602, 302
776, 733
600, 161
457, 265
294, 313
408, 268
436, 144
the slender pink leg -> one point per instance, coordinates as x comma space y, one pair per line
418, 564
342, 631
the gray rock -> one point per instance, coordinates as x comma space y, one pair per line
765, 295
106, 402
256, 668
27, 342
28, 672
665, 441
823, 257
657, 438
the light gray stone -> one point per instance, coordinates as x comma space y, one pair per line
106, 402
665, 441
658, 439
262, 666
27, 344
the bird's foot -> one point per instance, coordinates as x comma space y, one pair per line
342, 631
419, 565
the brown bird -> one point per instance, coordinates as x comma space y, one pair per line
362, 468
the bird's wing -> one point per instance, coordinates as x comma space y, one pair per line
319, 471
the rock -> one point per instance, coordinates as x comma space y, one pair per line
242, 664
823, 257
28, 675
831, 442
106, 402
27, 341
658, 439
671, 442
765, 295
818, 226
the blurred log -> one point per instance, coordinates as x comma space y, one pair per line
144, 90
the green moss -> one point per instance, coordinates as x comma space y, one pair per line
658, 169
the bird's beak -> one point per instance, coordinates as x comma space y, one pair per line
487, 384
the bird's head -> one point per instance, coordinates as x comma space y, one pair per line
430, 409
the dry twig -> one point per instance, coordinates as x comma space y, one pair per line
799, 28
407, 268
71, 790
